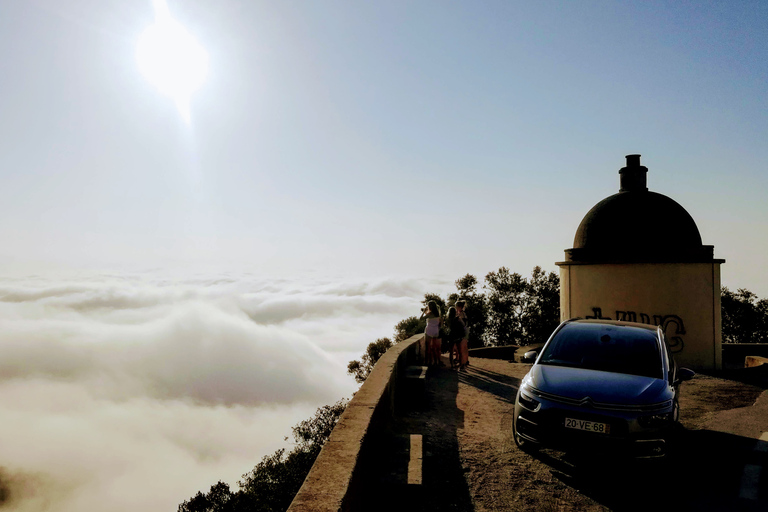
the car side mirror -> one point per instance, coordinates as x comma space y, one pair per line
529, 357
684, 374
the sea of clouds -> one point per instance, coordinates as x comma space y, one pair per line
133, 392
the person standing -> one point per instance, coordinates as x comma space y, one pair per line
432, 333
456, 334
463, 344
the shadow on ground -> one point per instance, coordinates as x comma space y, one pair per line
502, 386
704, 473
438, 420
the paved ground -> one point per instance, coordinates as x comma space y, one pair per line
470, 461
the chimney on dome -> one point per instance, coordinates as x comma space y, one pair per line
633, 177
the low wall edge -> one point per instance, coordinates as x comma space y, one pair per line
332, 483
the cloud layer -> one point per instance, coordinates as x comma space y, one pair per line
132, 393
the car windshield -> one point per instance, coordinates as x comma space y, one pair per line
609, 348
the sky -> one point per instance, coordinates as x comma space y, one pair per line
295, 176
334, 137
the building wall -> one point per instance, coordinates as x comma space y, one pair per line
684, 298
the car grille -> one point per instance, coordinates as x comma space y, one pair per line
547, 426
588, 403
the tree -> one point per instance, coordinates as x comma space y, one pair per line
218, 499
466, 285
542, 315
506, 306
521, 312
744, 316
312, 433
408, 327
361, 369
273, 482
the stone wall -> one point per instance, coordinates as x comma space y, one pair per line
335, 481
682, 298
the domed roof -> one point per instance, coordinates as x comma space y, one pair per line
622, 219
636, 225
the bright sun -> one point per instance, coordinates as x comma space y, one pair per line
171, 59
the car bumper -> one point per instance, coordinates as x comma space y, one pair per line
545, 427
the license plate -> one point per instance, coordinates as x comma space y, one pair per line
589, 426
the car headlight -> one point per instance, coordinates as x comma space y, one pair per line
655, 420
526, 399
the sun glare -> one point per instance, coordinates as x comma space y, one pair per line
171, 59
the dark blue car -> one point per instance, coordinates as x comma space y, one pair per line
600, 384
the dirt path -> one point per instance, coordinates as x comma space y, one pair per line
500, 476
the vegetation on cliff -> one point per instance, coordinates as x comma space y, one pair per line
272, 484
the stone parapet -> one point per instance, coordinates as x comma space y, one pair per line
337, 478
